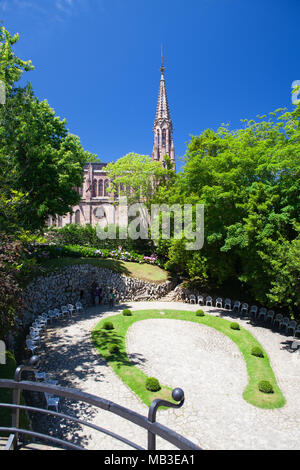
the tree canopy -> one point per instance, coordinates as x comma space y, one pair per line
249, 183
41, 163
137, 177
11, 66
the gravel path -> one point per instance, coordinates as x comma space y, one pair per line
204, 362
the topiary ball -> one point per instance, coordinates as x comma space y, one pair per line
256, 351
127, 313
265, 387
113, 349
152, 384
234, 326
200, 313
108, 325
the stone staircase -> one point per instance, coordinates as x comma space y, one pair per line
169, 297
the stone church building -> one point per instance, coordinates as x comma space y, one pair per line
94, 191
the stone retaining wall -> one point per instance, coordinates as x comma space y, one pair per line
74, 283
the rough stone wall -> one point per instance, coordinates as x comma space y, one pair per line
64, 286
182, 293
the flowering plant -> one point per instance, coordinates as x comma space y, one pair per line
78, 251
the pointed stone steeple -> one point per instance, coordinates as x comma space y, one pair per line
163, 128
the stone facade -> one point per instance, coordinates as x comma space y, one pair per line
94, 194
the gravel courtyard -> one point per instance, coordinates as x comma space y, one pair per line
204, 362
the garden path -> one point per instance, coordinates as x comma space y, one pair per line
202, 361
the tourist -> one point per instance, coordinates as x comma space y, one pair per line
100, 293
93, 291
111, 298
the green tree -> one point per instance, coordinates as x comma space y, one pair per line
11, 260
11, 66
137, 176
41, 163
249, 183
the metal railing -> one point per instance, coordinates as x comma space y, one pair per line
149, 423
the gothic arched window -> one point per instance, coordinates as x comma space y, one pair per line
94, 188
164, 137
158, 138
77, 217
100, 188
106, 184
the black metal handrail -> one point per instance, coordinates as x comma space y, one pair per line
149, 424
70, 418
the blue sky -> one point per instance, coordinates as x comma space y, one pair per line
97, 63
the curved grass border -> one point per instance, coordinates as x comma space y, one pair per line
258, 368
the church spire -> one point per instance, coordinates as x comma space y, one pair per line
162, 68
163, 128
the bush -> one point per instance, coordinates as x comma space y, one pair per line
200, 313
86, 235
265, 387
113, 349
234, 326
7, 371
127, 312
256, 351
80, 251
108, 325
152, 384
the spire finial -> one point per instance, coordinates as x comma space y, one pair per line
162, 68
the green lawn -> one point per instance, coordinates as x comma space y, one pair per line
144, 271
258, 368
7, 372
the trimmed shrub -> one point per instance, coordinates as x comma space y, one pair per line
200, 313
265, 387
113, 349
234, 326
107, 325
256, 351
126, 312
152, 384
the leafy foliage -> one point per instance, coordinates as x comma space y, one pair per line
265, 387
200, 313
41, 163
127, 312
86, 235
11, 66
108, 325
137, 177
152, 384
7, 371
77, 251
249, 183
11, 262
256, 351
113, 348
